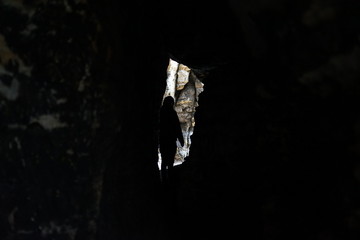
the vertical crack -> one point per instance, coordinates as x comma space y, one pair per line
184, 86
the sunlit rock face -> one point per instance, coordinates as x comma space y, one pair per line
184, 87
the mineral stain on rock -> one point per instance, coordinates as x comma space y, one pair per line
49, 122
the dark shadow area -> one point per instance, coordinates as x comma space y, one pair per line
275, 151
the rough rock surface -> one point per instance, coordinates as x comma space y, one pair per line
51, 111
185, 88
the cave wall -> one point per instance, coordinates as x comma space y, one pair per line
275, 150
78, 102
51, 120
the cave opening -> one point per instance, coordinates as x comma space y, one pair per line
183, 85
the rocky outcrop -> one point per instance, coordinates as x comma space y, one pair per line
184, 87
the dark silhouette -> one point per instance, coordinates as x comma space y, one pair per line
170, 130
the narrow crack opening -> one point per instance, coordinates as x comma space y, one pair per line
184, 87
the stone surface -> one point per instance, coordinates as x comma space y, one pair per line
183, 85
51, 116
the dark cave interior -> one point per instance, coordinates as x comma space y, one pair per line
275, 152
